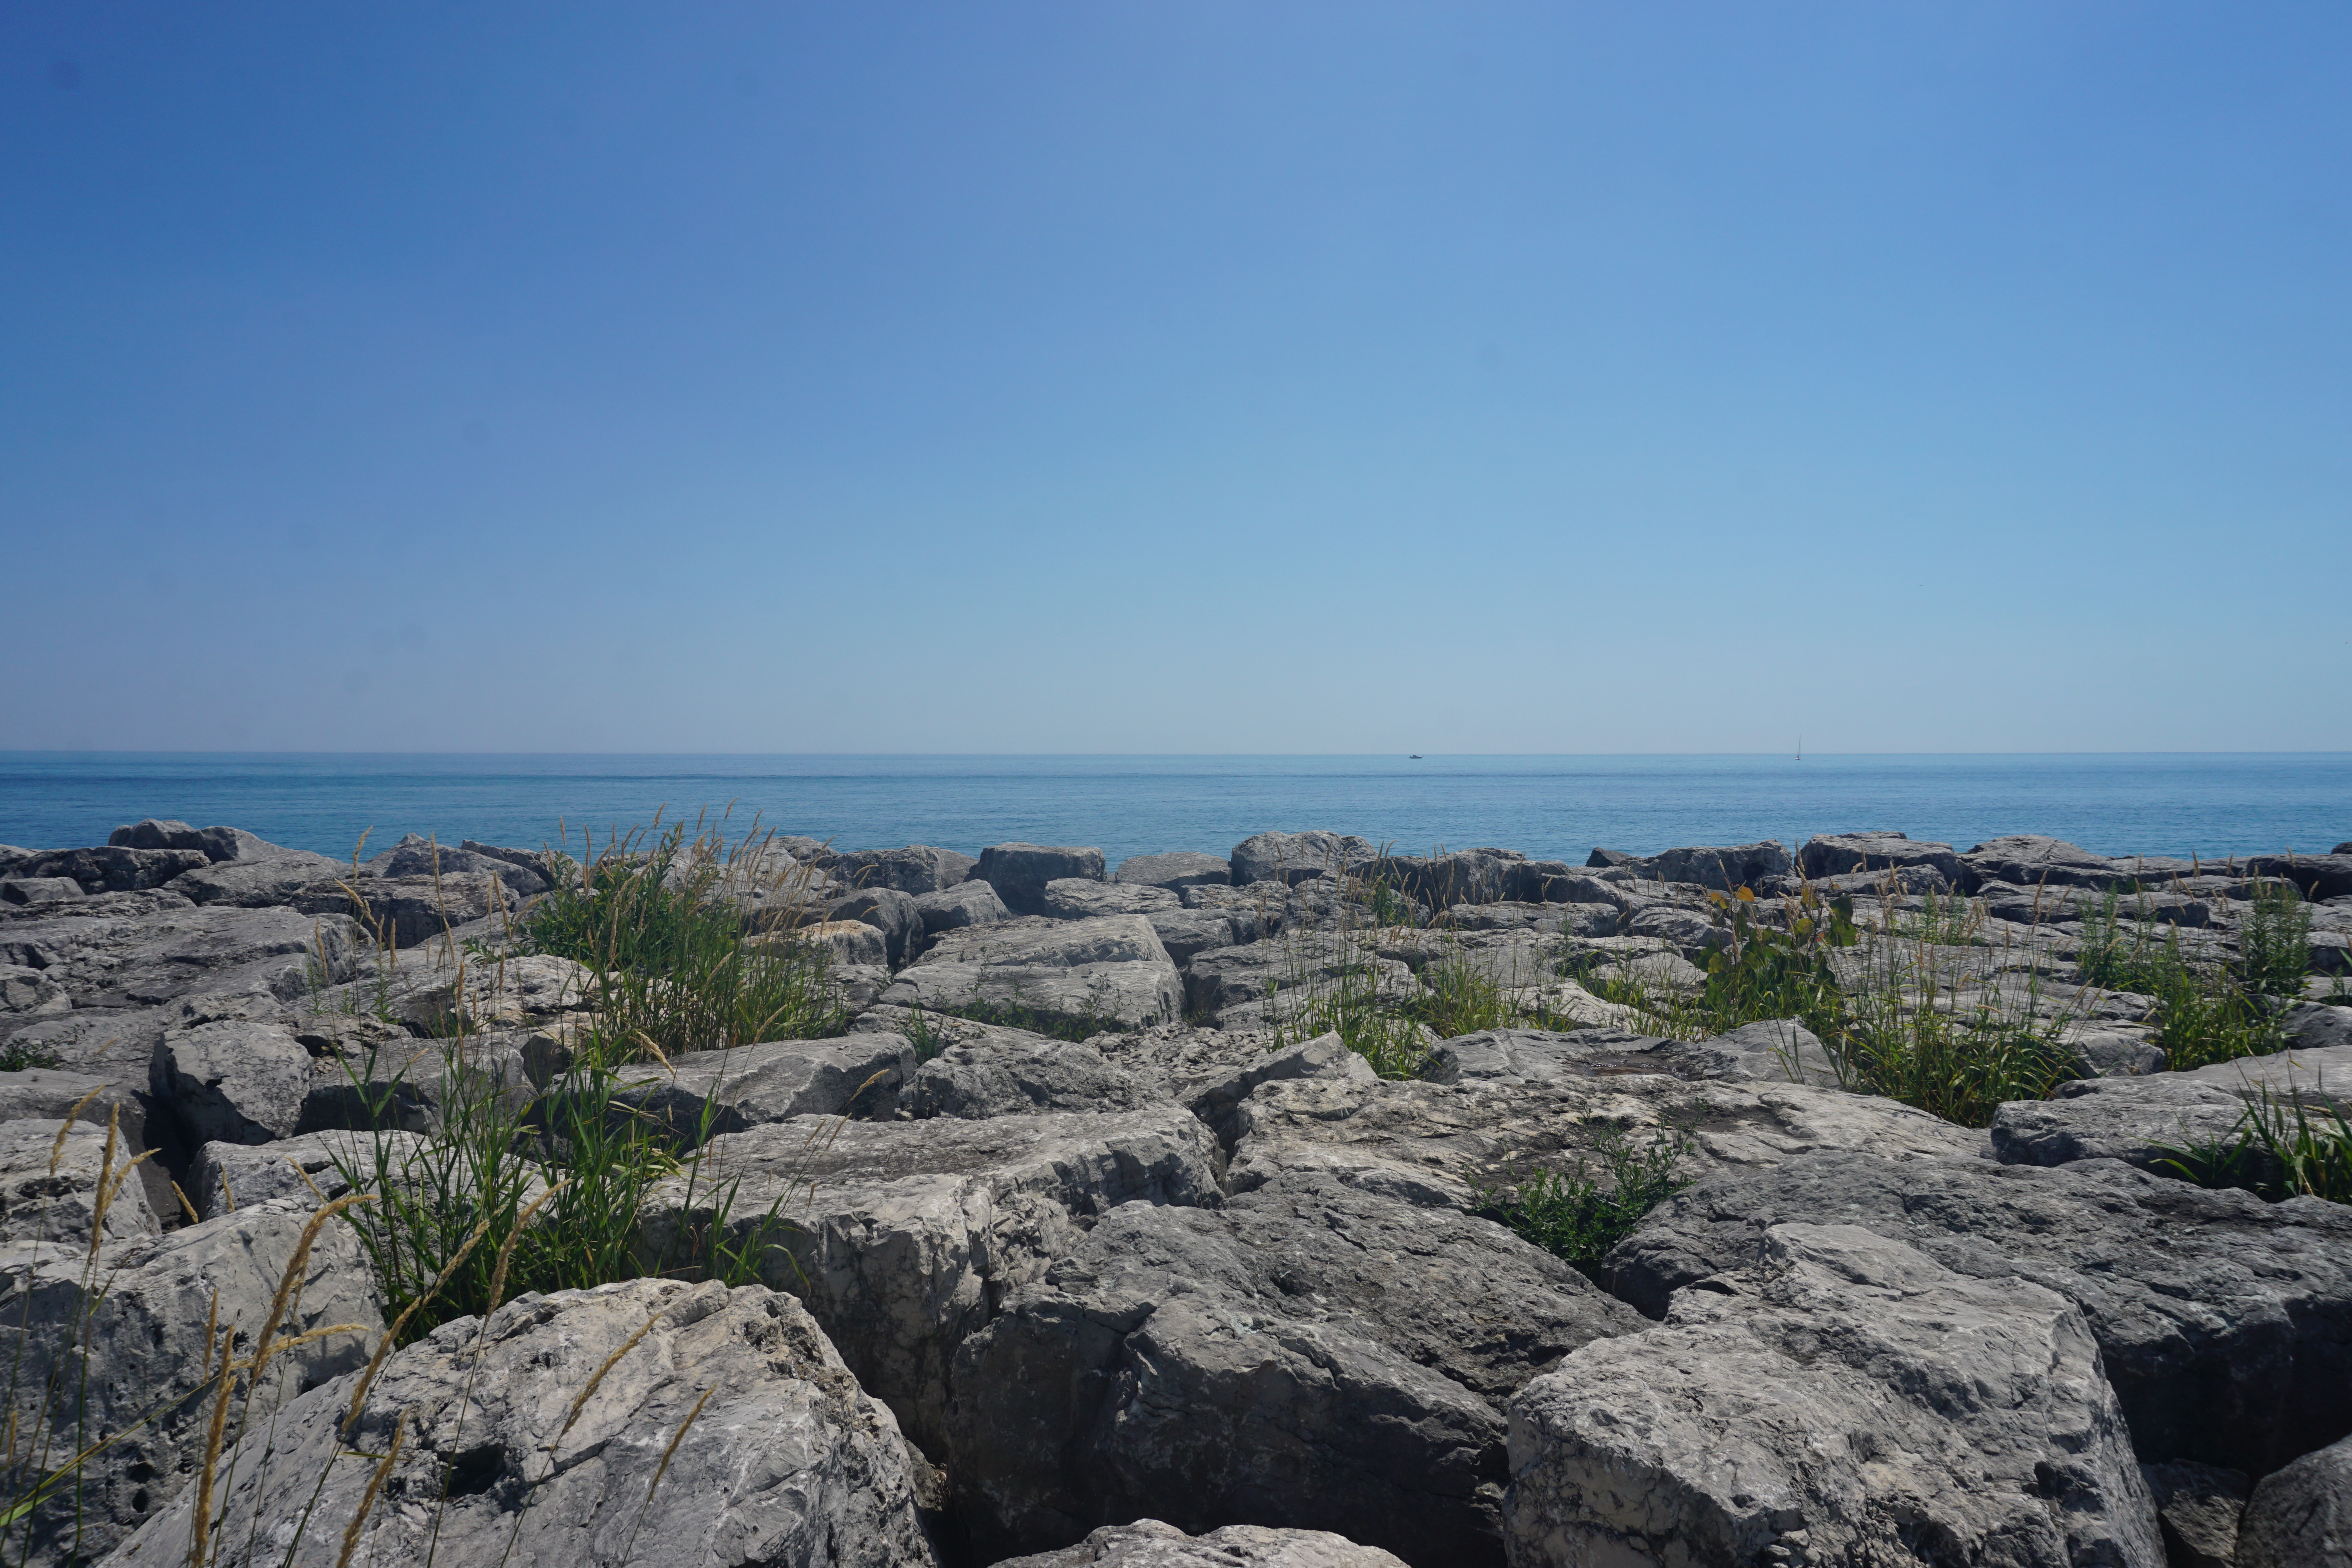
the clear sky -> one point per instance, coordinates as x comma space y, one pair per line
1176, 377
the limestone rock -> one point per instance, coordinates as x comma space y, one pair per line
1104, 973
1084, 898
968, 903
718, 1092
2197, 1507
917, 869
1148, 1544
1844, 1399
49, 1189
984, 1080
234, 1082
1842, 854
787, 1461
1019, 872
2300, 1515
1179, 869
888, 910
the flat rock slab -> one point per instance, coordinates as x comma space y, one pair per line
903, 1238
2225, 1322
1430, 1143
787, 1462
1149, 1543
988, 1078
1309, 1356
709, 1093
1176, 868
2151, 1121
274, 879
1845, 1400
1107, 973
147, 1353
126, 961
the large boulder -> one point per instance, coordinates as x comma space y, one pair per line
2037, 860
416, 856
112, 870
717, 1424
52, 1175
2318, 876
1299, 857
1724, 867
1149, 1543
707, 1094
407, 909
1842, 854
234, 1082
1178, 868
257, 883
917, 869
2300, 1516
2225, 1323
309, 1167
2159, 1120
1308, 1356
1067, 976
902, 1237
1083, 898
144, 1371
984, 1079
120, 961
1019, 872
971, 903
1842, 1399
2197, 1507
1188, 933
1285, 972
216, 844
892, 912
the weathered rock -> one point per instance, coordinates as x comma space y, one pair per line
1217, 1099
888, 910
416, 856
1179, 868
111, 869
2225, 1323
147, 1357
1287, 1360
41, 1094
1843, 1399
121, 962
438, 991
2197, 1507
1148, 1544
845, 942
2036, 860
1842, 854
1721, 867
234, 1082
411, 909
786, 1462
917, 869
2152, 1121
902, 1237
1083, 898
1531, 1056
2318, 876
1463, 876
2300, 1516
216, 844
1019, 872
988, 1078
1432, 1144
307, 1168
1088, 975
25, 890
1299, 857
29, 992
49, 1185
1294, 968
968, 903
710, 1093
257, 883
1188, 933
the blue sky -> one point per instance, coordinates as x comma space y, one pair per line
1194, 377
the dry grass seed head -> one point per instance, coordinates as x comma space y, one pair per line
186, 1205
507, 1250
58, 1148
392, 1336
200, 1528
580, 1403
374, 1487
295, 1266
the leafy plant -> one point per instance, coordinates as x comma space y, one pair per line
2281, 1148
1569, 1214
18, 1056
2274, 941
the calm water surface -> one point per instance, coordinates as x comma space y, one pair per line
1551, 807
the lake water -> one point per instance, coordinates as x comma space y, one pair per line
1551, 807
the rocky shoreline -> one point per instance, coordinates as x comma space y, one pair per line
1165, 1214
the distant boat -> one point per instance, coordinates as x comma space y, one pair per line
1414, 757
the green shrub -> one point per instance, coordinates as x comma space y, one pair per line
1570, 1215
2279, 1148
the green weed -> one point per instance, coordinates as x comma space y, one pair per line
2279, 1148
1569, 1214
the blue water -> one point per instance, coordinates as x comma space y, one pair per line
1551, 807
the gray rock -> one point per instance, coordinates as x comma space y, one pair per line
438, 991
1694, 933
1843, 1399
1300, 965
903, 1237
1287, 1359
917, 869
39, 890
2037, 860
1463, 876
1019, 872
1434, 1143
146, 1354
888, 910
787, 1461
2150, 1121
972, 903
31, 992
988, 1078
1148, 1544
1842, 854
257, 883
2300, 1516
12, 856
1546, 881
2319, 875
1772, 1051
1178, 868
416, 856
1188, 933
1217, 1099
847, 944
1087, 974
711, 1093
234, 1082
1503, 1057
2225, 1323
410, 909
1296, 858
1080, 898
41, 1094
216, 844
2198, 1505
49, 1185
1722, 866
2313, 1028
307, 1169
120, 962
110, 869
